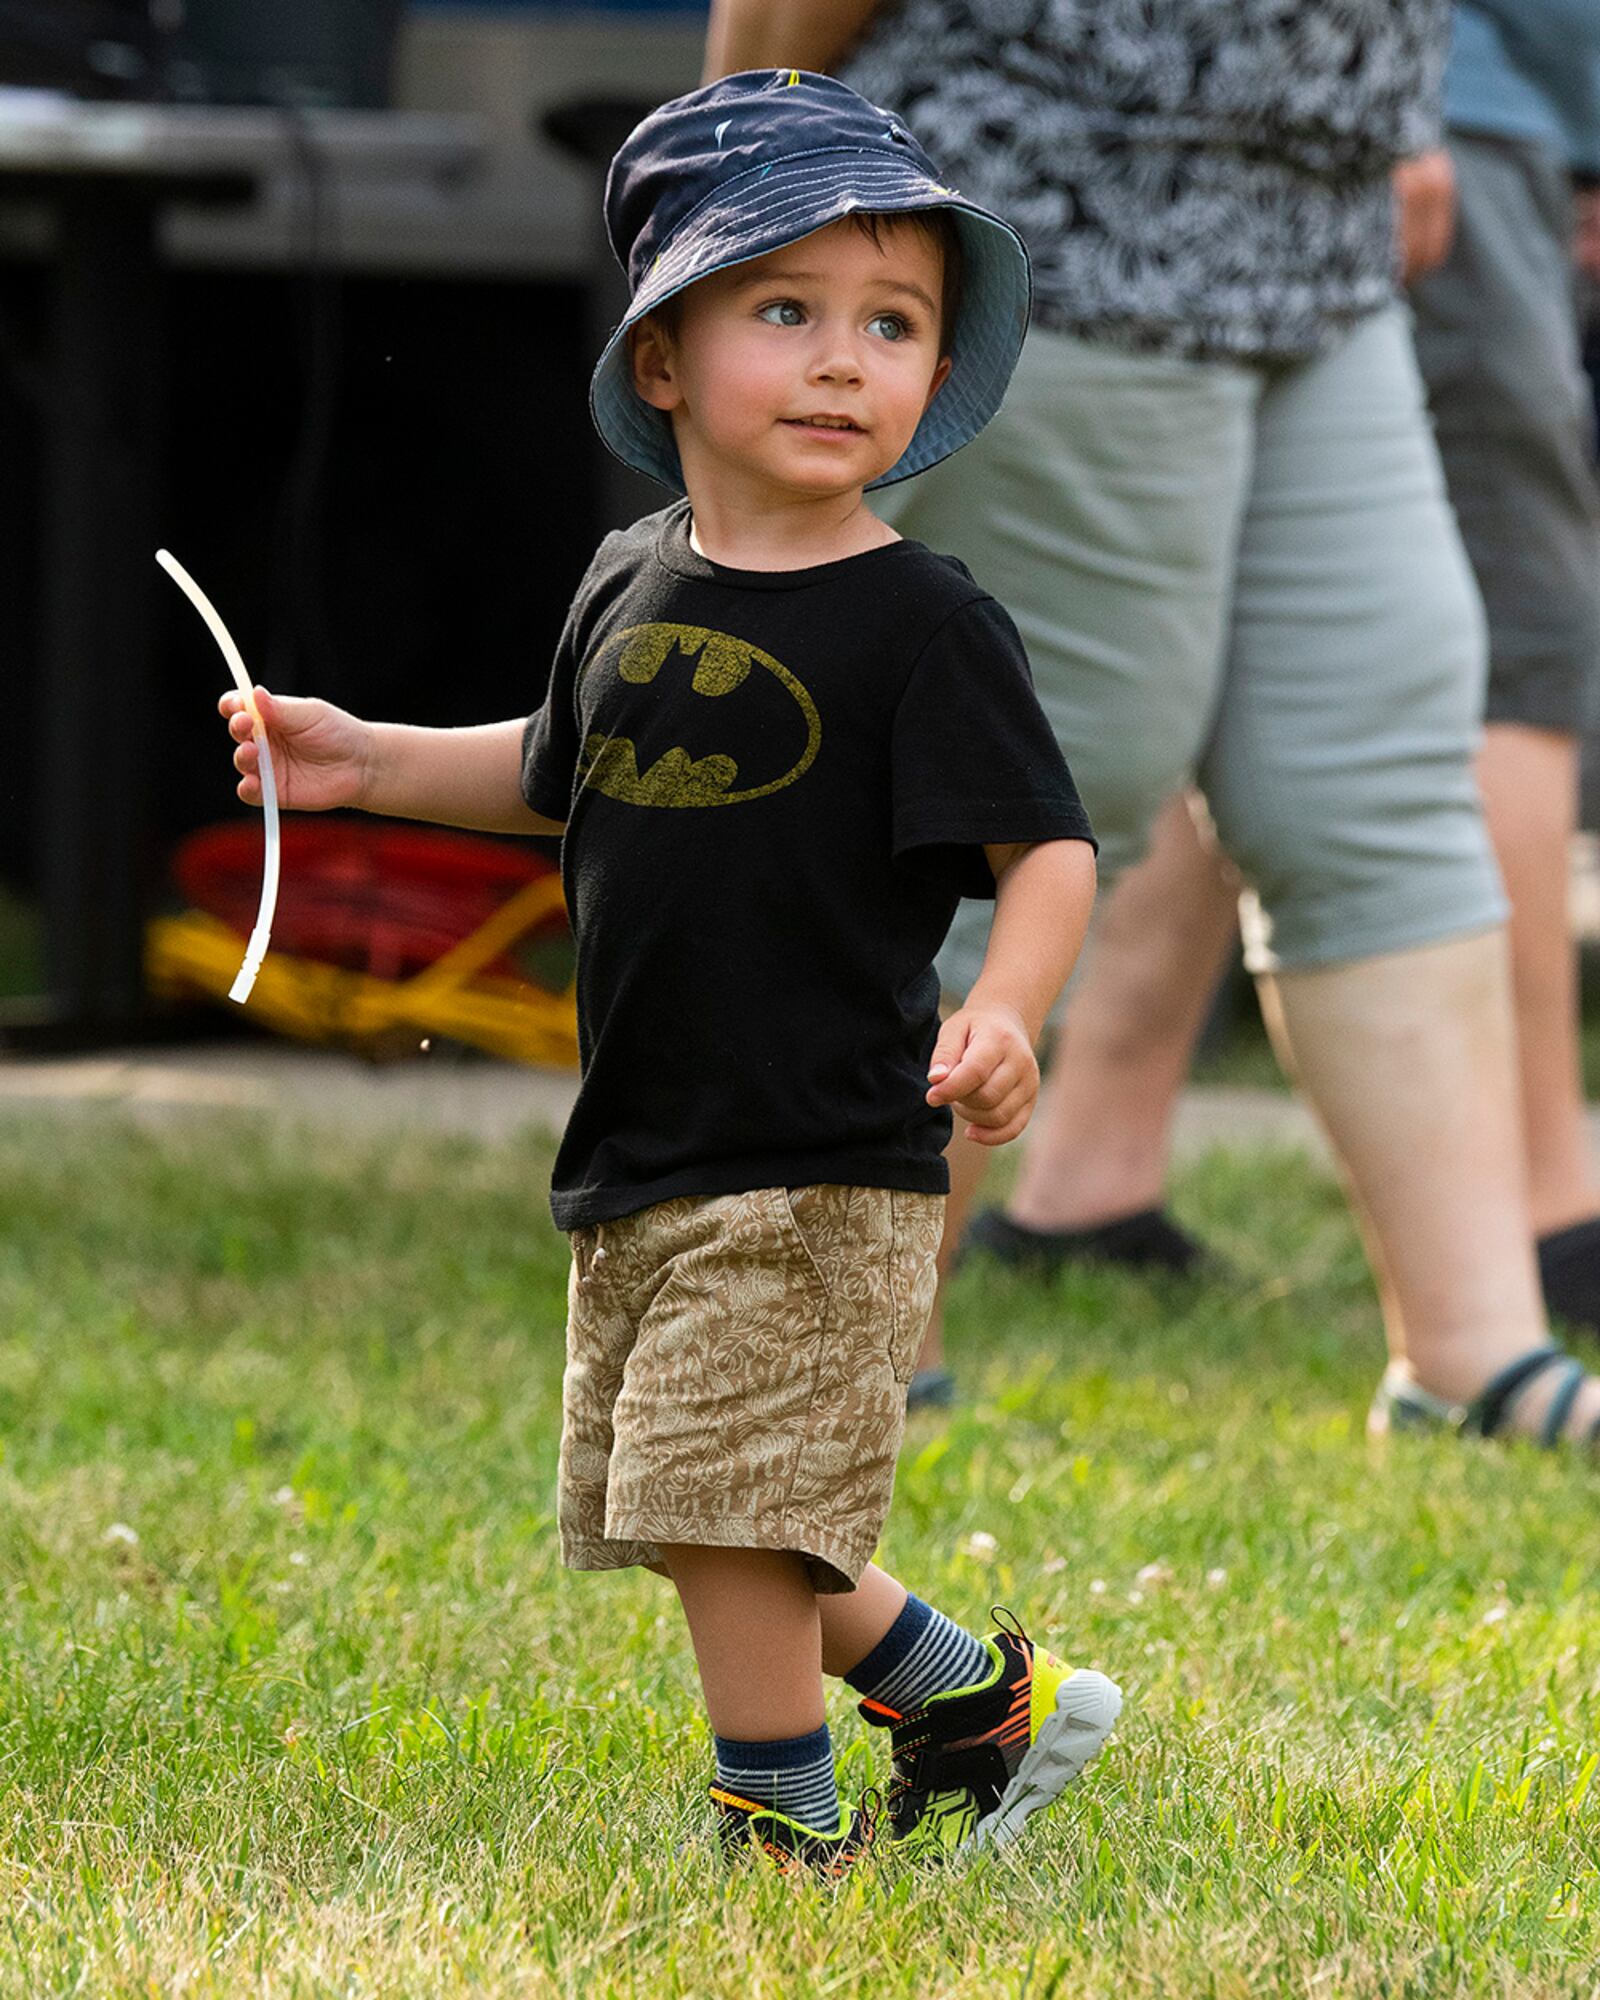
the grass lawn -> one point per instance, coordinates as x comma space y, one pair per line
294, 1699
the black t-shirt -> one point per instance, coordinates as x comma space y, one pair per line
776, 787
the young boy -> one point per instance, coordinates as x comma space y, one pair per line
781, 743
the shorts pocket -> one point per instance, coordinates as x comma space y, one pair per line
812, 1244
911, 1274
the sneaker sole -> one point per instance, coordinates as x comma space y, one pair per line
1087, 1707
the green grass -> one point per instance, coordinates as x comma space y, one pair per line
295, 1700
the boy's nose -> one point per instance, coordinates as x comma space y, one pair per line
836, 360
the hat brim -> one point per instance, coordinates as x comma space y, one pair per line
768, 209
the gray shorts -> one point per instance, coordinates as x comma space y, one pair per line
1497, 339
1247, 578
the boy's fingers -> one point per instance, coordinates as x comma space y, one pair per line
994, 1108
996, 1080
233, 705
1001, 1112
984, 1135
948, 1049
1002, 1124
968, 1075
996, 1088
990, 1071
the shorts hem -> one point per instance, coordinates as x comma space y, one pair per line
833, 1567
1380, 941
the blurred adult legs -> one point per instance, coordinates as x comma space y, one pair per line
1102, 507
1530, 791
1409, 1062
1497, 340
1338, 772
1099, 1143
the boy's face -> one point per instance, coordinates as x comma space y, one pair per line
805, 371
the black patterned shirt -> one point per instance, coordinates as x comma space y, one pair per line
1197, 177
776, 785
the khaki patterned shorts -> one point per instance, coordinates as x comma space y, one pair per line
736, 1374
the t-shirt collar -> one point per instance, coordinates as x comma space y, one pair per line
676, 553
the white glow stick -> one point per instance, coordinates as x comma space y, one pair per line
256, 950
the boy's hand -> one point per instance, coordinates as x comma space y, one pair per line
320, 754
983, 1064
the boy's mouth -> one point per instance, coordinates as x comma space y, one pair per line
825, 423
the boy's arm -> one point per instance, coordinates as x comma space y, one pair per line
459, 777
324, 757
983, 1062
802, 34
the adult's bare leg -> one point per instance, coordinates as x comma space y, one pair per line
1099, 1143
968, 1163
1410, 1061
1529, 779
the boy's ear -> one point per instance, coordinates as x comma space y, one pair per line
941, 375
650, 356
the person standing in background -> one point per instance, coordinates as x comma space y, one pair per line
1487, 236
1214, 506
1497, 337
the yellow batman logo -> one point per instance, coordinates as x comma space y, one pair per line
610, 763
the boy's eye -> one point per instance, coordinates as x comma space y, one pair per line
890, 326
782, 312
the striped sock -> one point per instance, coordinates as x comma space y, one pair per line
795, 1775
922, 1654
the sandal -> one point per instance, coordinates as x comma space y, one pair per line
1149, 1241
1400, 1405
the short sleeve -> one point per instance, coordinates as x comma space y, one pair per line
550, 741
975, 761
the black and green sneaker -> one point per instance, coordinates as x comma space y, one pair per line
746, 1827
973, 1765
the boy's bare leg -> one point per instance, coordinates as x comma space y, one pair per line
757, 1639
1530, 791
854, 1622
763, 1639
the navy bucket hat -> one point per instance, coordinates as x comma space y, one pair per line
754, 162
